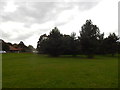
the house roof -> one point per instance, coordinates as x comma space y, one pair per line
14, 49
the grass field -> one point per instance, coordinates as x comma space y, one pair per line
40, 71
0, 71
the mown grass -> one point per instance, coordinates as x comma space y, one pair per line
0, 71
40, 71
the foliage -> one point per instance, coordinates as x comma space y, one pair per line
51, 44
89, 36
70, 44
30, 48
110, 44
4, 45
89, 43
56, 44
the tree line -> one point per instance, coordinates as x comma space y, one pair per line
89, 42
21, 46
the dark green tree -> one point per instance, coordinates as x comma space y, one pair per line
100, 50
51, 44
89, 36
54, 43
66, 44
30, 48
74, 44
118, 46
22, 46
110, 45
42, 44
5, 46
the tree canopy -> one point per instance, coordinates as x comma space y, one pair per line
89, 36
89, 43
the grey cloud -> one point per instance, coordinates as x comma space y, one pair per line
119, 18
2, 4
37, 12
81, 5
23, 36
60, 23
87, 5
31, 12
5, 35
40, 12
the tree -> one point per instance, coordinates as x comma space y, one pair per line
110, 44
41, 44
89, 36
10, 44
31, 48
22, 46
15, 45
118, 46
66, 42
5, 46
89, 42
74, 44
100, 49
52, 44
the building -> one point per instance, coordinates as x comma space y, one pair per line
14, 50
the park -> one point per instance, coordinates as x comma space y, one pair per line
59, 44
63, 61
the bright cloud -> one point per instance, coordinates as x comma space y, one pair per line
10, 7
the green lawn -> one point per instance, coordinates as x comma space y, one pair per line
0, 71
40, 71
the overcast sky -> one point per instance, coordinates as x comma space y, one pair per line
26, 20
